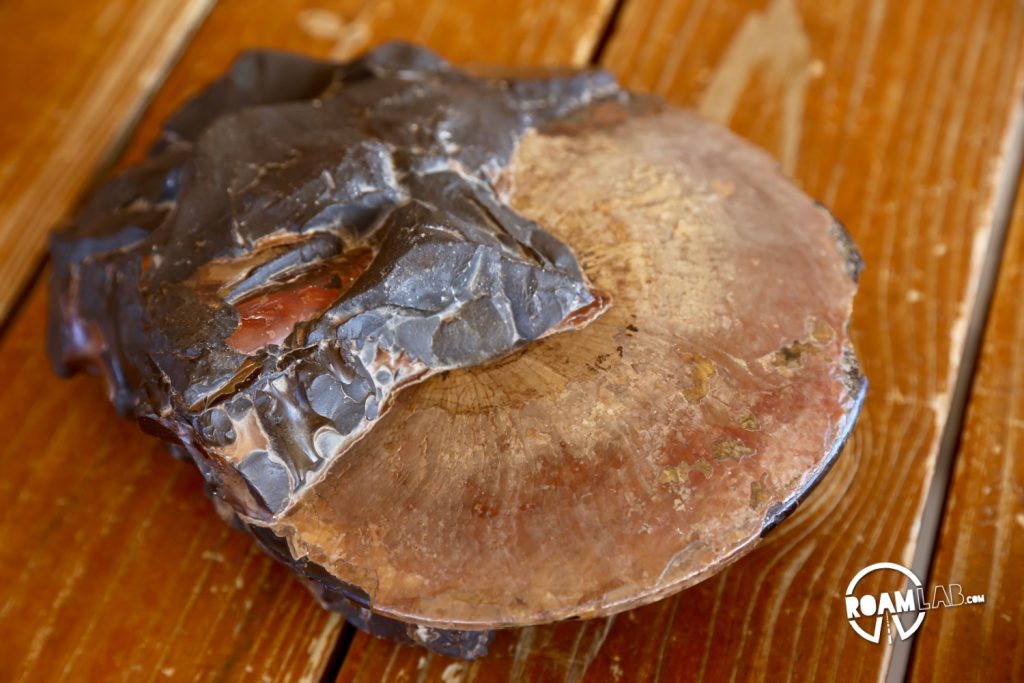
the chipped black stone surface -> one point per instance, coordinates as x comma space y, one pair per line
366, 200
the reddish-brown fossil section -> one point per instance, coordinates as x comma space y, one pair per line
269, 318
599, 470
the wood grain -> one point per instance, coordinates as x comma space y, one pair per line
981, 545
74, 77
895, 115
112, 564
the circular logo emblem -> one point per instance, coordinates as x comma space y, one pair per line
886, 607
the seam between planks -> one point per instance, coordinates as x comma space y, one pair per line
106, 160
607, 31
1008, 177
339, 652
19, 300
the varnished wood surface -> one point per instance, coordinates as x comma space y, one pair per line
112, 563
73, 75
981, 546
894, 114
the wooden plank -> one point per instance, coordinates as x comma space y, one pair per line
981, 546
895, 114
112, 564
74, 77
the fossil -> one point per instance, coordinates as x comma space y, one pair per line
467, 351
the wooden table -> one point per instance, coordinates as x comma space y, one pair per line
904, 117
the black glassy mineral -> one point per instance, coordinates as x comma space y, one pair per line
306, 238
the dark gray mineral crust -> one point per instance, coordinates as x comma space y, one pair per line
305, 239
